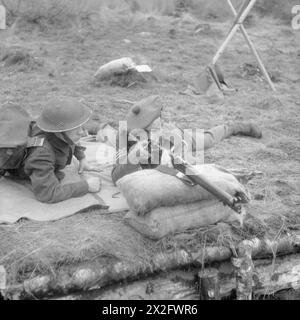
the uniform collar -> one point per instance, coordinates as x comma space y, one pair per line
62, 136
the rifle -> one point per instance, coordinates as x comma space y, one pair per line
196, 177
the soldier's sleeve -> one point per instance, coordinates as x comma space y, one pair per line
121, 170
79, 152
40, 167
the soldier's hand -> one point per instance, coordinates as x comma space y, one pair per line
84, 165
94, 184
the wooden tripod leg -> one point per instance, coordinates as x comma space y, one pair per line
254, 51
224, 44
242, 16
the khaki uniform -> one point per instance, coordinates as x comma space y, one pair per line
42, 166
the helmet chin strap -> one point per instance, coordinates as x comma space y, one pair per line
67, 139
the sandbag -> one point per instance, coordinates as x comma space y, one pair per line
148, 189
114, 67
168, 220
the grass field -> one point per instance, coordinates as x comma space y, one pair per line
65, 54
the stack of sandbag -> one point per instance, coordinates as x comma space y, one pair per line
161, 204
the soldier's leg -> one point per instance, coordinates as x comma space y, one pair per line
215, 135
221, 132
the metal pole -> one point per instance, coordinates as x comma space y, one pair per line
239, 20
252, 48
2, 17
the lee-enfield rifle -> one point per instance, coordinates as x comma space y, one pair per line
234, 202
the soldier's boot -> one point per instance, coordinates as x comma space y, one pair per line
245, 129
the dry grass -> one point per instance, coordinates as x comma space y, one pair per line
276, 8
32, 248
50, 10
63, 13
70, 60
230, 235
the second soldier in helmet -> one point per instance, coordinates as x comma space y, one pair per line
60, 124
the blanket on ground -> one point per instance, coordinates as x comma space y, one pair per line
17, 201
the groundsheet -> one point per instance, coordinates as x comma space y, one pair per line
18, 201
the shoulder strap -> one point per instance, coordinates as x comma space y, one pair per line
35, 142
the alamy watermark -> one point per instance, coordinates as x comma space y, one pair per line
296, 19
153, 146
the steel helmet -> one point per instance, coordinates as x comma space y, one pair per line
61, 115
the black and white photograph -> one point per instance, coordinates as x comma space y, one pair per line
149, 150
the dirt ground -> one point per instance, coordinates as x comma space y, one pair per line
63, 64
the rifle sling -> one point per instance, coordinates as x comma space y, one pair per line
176, 173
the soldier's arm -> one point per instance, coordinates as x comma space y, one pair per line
46, 187
79, 152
